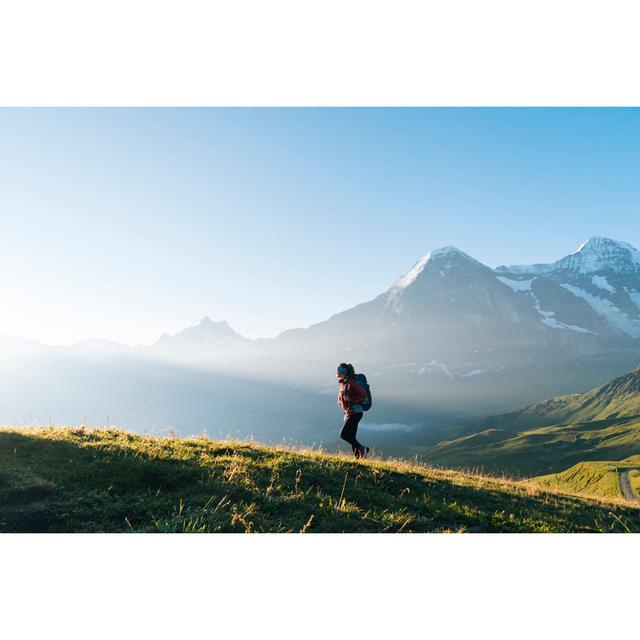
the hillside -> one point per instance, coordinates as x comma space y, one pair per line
594, 478
550, 436
540, 450
58, 479
619, 398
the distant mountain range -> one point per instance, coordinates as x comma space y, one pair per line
451, 339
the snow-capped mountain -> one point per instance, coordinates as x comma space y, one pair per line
604, 273
451, 338
591, 295
594, 255
455, 335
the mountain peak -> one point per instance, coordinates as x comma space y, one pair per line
600, 244
443, 254
447, 251
596, 254
207, 327
205, 332
208, 323
602, 254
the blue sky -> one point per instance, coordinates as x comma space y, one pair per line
127, 223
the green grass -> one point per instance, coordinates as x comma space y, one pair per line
57, 479
541, 450
552, 435
596, 479
591, 478
619, 398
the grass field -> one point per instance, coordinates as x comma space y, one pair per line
58, 479
591, 478
595, 479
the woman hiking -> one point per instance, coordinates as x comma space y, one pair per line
349, 398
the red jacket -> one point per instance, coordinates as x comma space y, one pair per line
350, 394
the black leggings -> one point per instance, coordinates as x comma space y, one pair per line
349, 429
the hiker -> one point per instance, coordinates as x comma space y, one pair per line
350, 397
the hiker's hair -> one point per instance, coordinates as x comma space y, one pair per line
348, 368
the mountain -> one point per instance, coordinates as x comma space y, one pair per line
450, 340
619, 398
208, 339
604, 273
602, 424
94, 480
206, 334
454, 337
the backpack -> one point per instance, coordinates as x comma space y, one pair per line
361, 381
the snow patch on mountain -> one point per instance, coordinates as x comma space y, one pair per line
548, 317
469, 374
608, 310
526, 269
602, 283
435, 363
516, 285
445, 369
556, 324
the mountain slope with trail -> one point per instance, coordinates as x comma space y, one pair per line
605, 479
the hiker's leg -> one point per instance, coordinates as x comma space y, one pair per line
357, 417
348, 432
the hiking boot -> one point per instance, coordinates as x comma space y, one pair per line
364, 452
357, 453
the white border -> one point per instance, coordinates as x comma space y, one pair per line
296, 586
335, 52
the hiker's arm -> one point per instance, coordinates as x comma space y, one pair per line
344, 399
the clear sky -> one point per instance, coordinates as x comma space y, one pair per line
126, 223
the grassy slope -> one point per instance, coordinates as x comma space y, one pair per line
619, 398
93, 480
542, 450
591, 478
550, 436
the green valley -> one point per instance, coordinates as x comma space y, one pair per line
551, 436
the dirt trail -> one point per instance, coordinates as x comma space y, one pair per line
625, 487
